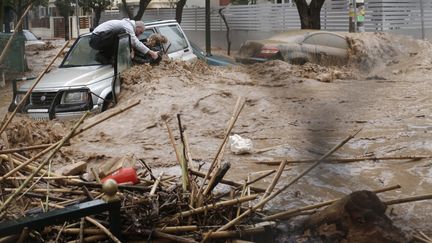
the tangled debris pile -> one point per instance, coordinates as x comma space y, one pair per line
184, 208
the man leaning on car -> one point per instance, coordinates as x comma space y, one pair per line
104, 36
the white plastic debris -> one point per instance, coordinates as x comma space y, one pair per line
240, 145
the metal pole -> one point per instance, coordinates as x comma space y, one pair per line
355, 15
208, 34
422, 19
77, 18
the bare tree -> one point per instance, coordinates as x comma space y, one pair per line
310, 14
179, 10
142, 7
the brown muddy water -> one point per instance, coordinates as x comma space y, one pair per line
385, 90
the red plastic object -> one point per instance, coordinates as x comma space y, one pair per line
124, 175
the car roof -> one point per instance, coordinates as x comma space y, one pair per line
159, 22
297, 36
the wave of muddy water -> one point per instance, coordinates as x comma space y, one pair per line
305, 109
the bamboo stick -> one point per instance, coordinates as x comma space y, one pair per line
24, 235
275, 180
105, 230
112, 113
232, 234
171, 238
292, 212
247, 184
156, 184
45, 190
216, 178
81, 231
44, 178
67, 137
9, 42
76, 231
238, 108
26, 96
228, 182
15, 150
178, 229
183, 165
409, 199
213, 206
273, 195
93, 238
345, 160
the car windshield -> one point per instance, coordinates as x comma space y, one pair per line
82, 54
177, 41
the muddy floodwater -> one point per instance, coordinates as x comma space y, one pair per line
297, 112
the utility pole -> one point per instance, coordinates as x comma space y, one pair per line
208, 30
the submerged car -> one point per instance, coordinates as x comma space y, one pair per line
86, 80
297, 47
32, 42
83, 82
215, 60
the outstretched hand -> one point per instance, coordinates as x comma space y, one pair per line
153, 54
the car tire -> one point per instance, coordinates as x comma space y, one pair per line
108, 102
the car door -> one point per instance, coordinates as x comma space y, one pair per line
178, 47
122, 62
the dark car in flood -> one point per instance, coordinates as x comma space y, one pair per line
214, 60
297, 47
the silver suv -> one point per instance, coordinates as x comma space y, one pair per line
86, 82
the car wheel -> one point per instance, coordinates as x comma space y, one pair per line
108, 102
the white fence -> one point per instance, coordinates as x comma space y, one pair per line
410, 17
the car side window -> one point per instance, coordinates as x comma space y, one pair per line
146, 34
176, 39
325, 39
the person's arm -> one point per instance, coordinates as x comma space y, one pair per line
138, 45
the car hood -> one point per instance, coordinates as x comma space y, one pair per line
71, 77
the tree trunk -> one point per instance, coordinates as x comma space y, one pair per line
98, 12
179, 10
125, 6
1, 15
142, 7
310, 14
66, 24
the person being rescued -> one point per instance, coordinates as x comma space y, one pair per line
155, 42
105, 36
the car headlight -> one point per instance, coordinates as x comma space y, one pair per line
18, 98
77, 97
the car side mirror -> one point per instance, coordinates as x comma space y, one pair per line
39, 38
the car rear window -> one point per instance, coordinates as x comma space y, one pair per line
177, 40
